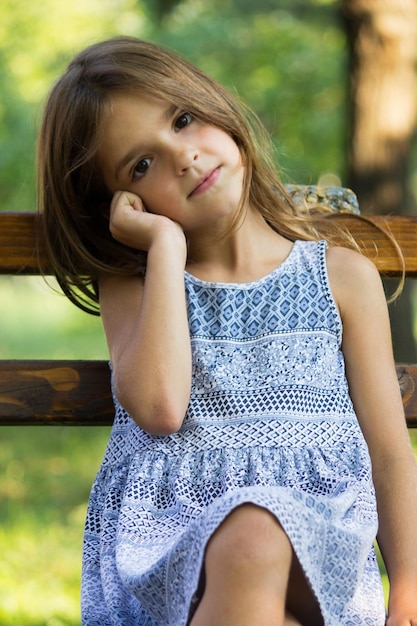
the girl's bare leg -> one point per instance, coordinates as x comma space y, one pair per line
253, 577
247, 567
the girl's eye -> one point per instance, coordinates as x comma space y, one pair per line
183, 120
141, 168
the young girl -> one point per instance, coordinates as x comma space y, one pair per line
251, 362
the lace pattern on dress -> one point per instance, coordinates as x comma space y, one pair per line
270, 421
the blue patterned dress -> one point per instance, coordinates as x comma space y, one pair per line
270, 422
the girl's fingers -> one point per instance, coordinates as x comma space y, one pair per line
126, 199
133, 226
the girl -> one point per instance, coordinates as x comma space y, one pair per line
251, 362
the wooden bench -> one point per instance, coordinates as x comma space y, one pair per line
78, 392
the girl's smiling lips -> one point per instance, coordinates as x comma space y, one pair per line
205, 182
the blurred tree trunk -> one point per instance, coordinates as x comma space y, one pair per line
382, 37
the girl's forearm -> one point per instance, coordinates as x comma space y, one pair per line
396, 489
153, 380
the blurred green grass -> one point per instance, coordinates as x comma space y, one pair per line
46, 472
37, 322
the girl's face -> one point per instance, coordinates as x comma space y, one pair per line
181, 168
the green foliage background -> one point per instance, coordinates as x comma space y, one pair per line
290, 67
287, 59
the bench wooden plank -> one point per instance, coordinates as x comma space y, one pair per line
77, 393
377, 247
18, 253
37, 392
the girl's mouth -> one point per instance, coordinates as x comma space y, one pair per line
206, 182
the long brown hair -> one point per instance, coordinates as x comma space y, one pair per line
71, 195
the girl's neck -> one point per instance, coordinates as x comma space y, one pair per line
246, 254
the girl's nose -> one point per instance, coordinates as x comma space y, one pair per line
185, 157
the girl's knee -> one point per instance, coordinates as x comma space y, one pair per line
250, 537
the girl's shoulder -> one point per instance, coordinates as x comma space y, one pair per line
352, 276
339, 257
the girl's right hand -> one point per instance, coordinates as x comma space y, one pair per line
133, 226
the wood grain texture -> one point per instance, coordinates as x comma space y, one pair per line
77, 393
55, 392
19, 253
369, 233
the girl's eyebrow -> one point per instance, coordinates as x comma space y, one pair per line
126, 159
167, 115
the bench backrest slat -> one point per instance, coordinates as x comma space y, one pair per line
18, 254
77, 393
18, 250
55, 392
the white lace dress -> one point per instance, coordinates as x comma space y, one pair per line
270, 422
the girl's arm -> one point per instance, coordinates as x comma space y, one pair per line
145, 320
376, 396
